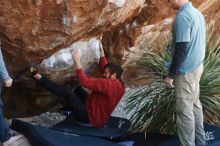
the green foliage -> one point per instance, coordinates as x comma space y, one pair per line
154, 103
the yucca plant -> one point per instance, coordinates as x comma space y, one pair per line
154, 103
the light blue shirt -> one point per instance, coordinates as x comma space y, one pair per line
189, 26
3, 74
3, 71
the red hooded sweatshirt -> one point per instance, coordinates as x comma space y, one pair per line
106, 93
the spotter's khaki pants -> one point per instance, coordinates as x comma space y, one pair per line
188, 108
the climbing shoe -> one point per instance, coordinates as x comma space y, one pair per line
32, 71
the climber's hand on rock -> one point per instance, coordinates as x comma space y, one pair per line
76, 58
75, 55
102, 53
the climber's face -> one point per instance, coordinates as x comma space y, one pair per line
106, 73
174, 4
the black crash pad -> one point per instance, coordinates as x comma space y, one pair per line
115, 128
39, 136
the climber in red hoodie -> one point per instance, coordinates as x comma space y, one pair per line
94, 108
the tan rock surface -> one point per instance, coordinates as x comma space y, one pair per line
32, 30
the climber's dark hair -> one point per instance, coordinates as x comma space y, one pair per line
113, 68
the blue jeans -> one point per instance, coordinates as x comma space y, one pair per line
4, 128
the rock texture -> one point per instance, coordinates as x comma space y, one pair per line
61, 64
32, 30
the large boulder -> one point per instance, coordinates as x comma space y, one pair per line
32, 30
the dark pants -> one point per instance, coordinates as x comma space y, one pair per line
76, 99
4, 127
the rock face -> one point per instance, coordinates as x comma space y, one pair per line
32, 30
61, 64
44, 32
